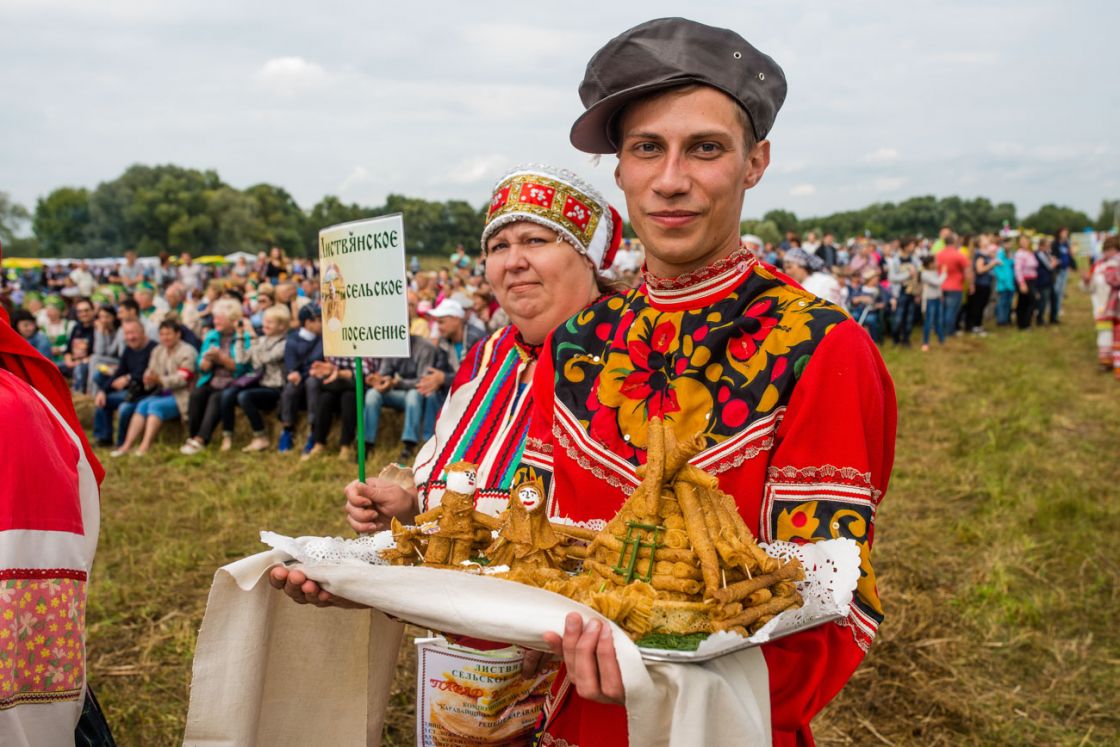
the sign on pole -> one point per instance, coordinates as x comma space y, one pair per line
363, 288
362, 292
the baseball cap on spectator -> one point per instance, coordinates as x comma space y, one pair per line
309, 312
448, 307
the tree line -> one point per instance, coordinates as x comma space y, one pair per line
151, 209
171, 208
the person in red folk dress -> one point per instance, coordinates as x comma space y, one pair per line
791, 397
49, 518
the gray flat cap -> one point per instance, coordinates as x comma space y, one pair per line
668, 53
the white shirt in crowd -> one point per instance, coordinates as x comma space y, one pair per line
823, 285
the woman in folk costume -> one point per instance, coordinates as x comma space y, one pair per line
790, 397
547, 237
1104, 288
49, 517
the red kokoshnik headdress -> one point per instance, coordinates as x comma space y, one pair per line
560, 200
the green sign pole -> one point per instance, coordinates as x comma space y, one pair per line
359, 392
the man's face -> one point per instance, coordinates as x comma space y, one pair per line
134, 335
84, 311
130, 257
450, 328
684, 167
144, 298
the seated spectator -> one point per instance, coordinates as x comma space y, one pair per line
394, 385
107, 345
170, 371
28, 328
336, 395
455, 339
217, 370
304, 347
57, 328
75, 361
266, 356
124, 387
266, 298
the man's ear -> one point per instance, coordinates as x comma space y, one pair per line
757, 160
618, 174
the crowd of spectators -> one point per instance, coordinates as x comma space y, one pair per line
154, 341
942, 287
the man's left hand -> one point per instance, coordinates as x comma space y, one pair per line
588, 654
431, 382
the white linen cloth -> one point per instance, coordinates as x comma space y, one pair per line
269, 671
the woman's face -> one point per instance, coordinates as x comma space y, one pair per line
271, 326
105, 318
537, 278
53, 313
223, 323
169, 338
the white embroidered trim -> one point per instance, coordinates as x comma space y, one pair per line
822, 473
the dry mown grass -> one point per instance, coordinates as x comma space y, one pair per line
994, 557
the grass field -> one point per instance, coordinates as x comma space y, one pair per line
995, 556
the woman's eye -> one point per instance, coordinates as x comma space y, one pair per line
500, 246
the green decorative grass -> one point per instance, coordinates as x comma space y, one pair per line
996, 556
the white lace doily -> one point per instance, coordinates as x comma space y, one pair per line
365, 549
831, 574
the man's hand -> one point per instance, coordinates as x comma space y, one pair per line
99, 399
120, 382
383, 384
151, 379
588, 653
371, 505
431, 382
294, 377
532, 662
303, 590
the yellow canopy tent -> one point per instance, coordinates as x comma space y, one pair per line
21, 263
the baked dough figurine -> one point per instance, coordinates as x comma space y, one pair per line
458, 525
526, 538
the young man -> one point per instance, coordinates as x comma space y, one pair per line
790, 396
303, 348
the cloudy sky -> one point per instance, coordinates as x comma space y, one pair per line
1018, 101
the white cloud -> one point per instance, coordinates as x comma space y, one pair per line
889, 183
882, 155
803, 190
358, 175
475, 170
290, 74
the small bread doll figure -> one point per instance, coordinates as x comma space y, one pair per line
526, 539
455, 538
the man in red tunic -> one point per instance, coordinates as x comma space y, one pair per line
789, 393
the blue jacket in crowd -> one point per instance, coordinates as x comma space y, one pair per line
300, 353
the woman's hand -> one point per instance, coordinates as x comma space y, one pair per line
303, 590
589, 657
372, 505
